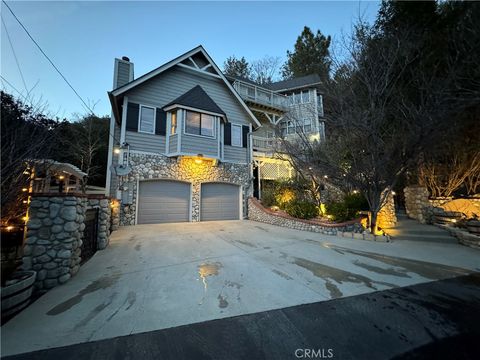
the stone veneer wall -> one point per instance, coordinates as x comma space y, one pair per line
417, 205
104, 213
55, 232
386, 217
351, 229
150, 167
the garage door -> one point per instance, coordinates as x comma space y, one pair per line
219, 202
163, 201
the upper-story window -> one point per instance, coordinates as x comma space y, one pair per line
173, 123
146, 122
305, 96
236, 135
200, 124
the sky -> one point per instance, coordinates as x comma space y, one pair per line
83, 38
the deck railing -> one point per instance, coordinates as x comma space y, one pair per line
260, 95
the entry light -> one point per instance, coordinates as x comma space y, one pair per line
199, 159
116, 151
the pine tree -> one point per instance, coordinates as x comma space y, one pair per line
237, 67
311, 55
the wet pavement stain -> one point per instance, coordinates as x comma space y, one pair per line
282, 274
132, 238
423, 268
246, 243
261, 228
267, 247
94, 312
328, 274
379, 270
102, 283
131, 298
205, 270
222, 301
138, 247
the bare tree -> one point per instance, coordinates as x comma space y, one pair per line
265, 70
376, 128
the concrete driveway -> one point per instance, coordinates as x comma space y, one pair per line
159, 276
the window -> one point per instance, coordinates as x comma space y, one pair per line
147, 120
290, 128
298, 98
173, 123
236, 135
200, 124
305, 96
307, 125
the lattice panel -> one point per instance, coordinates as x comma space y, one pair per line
273, 171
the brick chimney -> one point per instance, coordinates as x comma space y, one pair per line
123, 72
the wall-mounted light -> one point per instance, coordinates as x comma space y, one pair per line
199, 159
116, 150
61, 177
24, 189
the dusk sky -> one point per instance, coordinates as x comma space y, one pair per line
83, 38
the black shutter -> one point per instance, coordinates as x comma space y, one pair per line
245, 130
227, 134
132, 117
161, 122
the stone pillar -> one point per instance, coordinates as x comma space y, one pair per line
386, 217
104, 211
115, 214
416, 203
54, 236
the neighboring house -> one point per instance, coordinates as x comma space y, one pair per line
284, 109
181, 145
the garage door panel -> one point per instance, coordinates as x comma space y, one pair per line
219, 201
163, 201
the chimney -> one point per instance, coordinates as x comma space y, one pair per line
123, 72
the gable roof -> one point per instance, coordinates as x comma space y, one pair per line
312, 79
199, 49
197, 98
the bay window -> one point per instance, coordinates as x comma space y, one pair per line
200, 124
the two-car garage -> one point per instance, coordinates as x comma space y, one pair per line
165, 201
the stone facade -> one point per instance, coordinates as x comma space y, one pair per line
351, 229
386, 217
104, 213
55, 235
417, 205
150, 167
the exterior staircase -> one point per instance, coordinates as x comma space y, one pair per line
412, 230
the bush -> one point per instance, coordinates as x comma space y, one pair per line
301, 209
347, 209
268, 197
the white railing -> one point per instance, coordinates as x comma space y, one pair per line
260, 95
263, 143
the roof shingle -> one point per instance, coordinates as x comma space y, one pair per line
197, 98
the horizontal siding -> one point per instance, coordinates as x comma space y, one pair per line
145, 142
114, 178
123, 75
234, 154
172, 145
199, 145
169, 85
262, 131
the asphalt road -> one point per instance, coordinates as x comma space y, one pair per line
435, 320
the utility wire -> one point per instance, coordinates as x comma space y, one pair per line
15, 56
49, 60
58, 71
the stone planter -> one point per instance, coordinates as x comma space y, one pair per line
473, 226
16, 294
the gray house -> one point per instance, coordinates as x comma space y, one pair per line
180, 147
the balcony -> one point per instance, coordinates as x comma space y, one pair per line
266, 144
260, 96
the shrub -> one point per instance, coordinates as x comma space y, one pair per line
347, 209
301, 209
268, 197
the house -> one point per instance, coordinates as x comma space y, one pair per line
284, 109
189, 144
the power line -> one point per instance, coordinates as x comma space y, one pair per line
49, 60
15, 56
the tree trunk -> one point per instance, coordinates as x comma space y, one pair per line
373, 223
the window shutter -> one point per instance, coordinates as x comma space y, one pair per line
227, 134
161, 123
132, 117
245, 130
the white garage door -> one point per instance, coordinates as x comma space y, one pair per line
220, 201
163, 201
